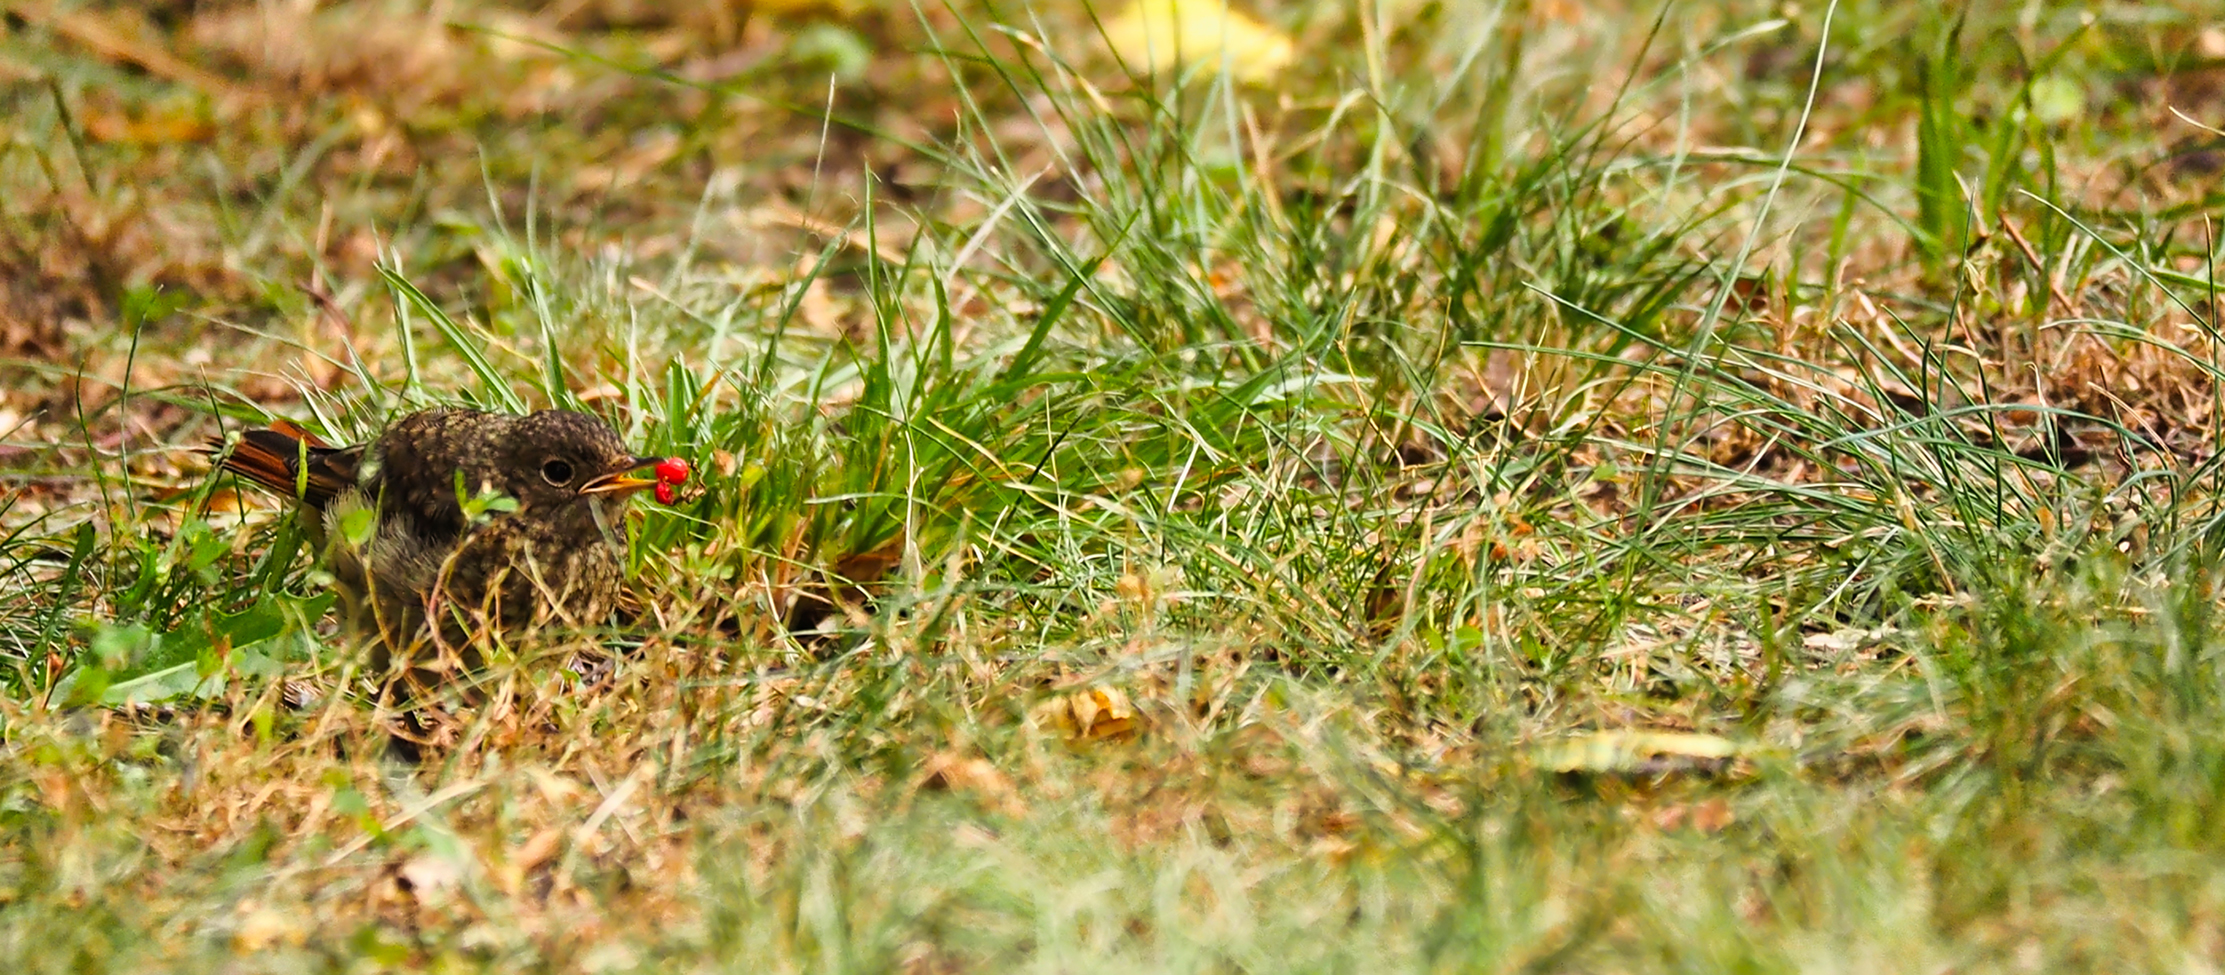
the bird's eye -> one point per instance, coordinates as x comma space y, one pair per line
556, 471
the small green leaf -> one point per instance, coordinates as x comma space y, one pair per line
356, 525
259, 622
833, 48
166, 684
117, 647
348, 802
2057, 100
200, 545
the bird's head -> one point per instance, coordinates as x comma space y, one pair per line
554, 458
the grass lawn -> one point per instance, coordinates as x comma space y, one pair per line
1415, 485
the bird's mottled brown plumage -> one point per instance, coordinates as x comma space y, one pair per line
391, 518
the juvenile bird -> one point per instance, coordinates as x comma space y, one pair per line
412, 529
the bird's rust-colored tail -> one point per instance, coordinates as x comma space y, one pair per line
276, 458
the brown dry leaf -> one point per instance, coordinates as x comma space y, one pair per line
946, 772
1711, 816
402, 58
16, 72
121, 36
1563, 11
629, 168
865, 567
720, 19
528, 857
1091, 714
821, 311
175, 125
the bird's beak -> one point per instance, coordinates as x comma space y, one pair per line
621, 481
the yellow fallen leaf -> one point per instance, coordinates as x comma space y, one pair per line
1159, 35
1626, 751
810, 8
174, 127
1087, 715
432, 878
260, 928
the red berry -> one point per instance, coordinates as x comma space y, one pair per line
672, 470
665, 493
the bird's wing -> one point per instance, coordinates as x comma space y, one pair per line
298, 432
294, 466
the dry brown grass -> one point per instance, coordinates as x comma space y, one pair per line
1328, 598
